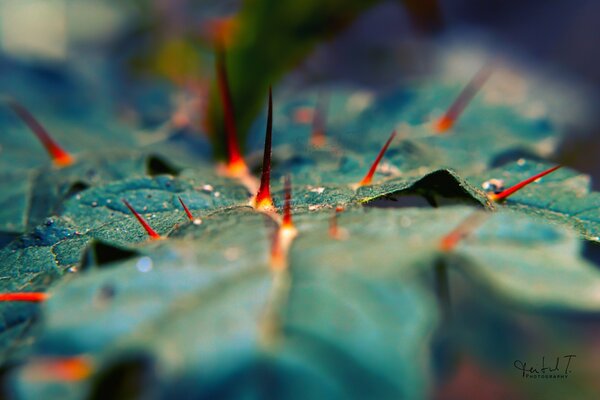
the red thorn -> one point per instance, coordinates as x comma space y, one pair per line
334, 231
464, 98
34, 297
151, 232
465, 228
59, 156
369, 176
278, 258
263, 197
235, 164
505, 193
318, 138
65, 369
221, 30
287, 205
186, 209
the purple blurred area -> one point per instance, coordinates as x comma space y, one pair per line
559, 37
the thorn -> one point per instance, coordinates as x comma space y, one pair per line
318, 138
60, 157
151, 232
497, 197
221, 30
464, 98
236, 166
369, 176
287, 205
336, 232
195, 221
34, 297
285, 233
465, 228
278, 256
65, 369
263, 200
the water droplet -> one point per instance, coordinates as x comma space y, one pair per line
197, 221
217, 194
94, 203
144, 264
49, 222
207, 188
493, 185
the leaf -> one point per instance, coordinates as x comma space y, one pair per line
563, 196
216, 311
210, 307
204, 311
530, 261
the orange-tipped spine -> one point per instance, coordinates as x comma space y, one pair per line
369, 176
151, 232
318, 138
463, 99
62, 369
464, 229
60, 157
236, 165
287, 205
263, 200
511, 190
186, 209
33, 297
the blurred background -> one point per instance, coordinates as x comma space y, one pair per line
137, 56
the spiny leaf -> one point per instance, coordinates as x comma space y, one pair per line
563, 196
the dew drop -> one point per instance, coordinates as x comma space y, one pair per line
144, 264
94, 204
493, 185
